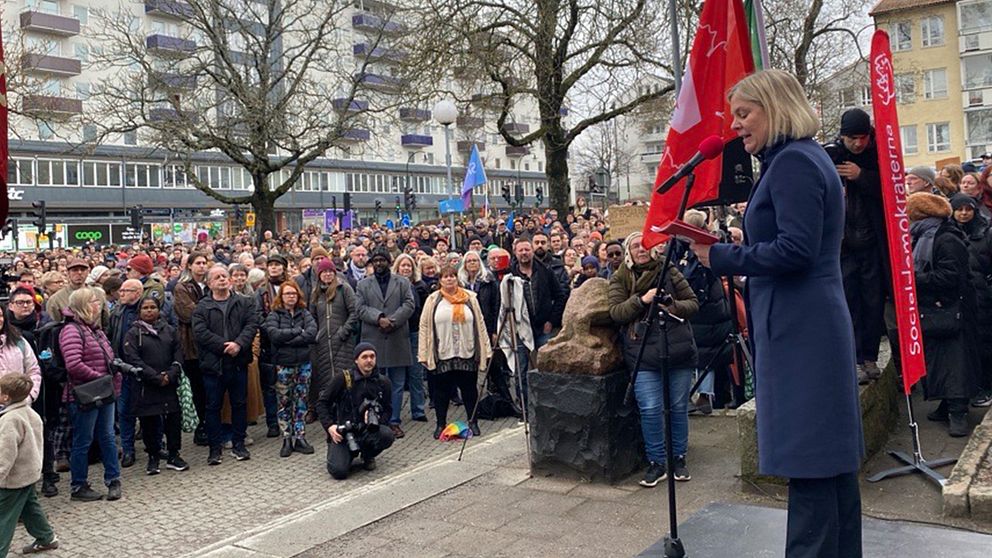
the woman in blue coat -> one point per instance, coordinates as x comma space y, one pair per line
809, 418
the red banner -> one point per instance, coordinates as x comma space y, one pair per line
4, 150
720, 57
892, 171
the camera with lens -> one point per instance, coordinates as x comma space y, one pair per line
125, 368
837, 152
664, 298
348, 430
371, 409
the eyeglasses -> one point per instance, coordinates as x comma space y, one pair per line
23, 303
614, 254
130, 290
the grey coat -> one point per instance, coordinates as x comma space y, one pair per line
340, 324
392, 348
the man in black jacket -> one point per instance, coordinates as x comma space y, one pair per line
543, 298
555, 264
224, 327
343, 408
124, 314
864, 253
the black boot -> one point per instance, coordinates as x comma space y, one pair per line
437, 431
959, 425
287, 447
939, 414
302, 446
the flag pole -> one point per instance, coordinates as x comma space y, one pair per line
676, 45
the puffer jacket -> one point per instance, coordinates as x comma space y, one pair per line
19, 358
87, 354
154, 352
712, 324
291, 333
337, 321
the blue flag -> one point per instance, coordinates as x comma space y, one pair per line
475, 175
509, 221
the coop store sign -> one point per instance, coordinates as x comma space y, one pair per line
79, 235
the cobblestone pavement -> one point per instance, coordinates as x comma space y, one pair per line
173, 514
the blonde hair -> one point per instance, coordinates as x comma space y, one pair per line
784, 101
79, 303
416, 268
695, 218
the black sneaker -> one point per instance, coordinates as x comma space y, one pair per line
152, 468
85, 493
114, 491
474, 427
200, 436
273, 432
177, 463
679, 470
983, 399
215, 456
36, 546
368, 463
240, 453
128, 460
49, 489
656, 473
938, 415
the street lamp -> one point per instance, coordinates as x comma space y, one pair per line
445, 113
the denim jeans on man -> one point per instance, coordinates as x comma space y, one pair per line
523, 361
415, 378
86, 425
267, 378
649, 390
234, 382
399, 376
125, 416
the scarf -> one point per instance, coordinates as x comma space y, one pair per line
924, 231
457, 301
150, 329
357, 272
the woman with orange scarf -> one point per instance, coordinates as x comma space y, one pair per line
454, 346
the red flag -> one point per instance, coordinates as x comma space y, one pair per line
4, 150
883, 94
720, 57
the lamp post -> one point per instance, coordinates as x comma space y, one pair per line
445, 113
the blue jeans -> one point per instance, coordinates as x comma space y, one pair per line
96, 423
415, 378
234, 382
398, 376
523, 361
267, 379
706, 387
125, 415
649, 389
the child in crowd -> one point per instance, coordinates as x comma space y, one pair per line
20, 467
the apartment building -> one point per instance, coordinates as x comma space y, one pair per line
56, 40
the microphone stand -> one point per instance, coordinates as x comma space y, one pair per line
673, 545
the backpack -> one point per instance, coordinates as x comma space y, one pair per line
50, 352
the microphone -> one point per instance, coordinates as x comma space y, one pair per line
708, 149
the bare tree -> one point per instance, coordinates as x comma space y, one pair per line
271, 85
552, 54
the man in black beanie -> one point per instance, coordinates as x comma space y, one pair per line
864, 250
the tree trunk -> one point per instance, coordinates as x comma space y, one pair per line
556, 169
263, 203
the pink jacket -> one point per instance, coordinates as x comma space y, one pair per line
86, 352
18, 358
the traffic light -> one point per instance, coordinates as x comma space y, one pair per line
40, 216
9, 228
334, 203
137, 219
539, 194
378, 205
506, 194
399, 204
409, 199
347, 202
519, 193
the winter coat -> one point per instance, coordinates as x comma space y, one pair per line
545, 301
627, 310
19, 358
87, 354
121, 318
713, 323
337, 321
427, 344
291, 332
487, 291
557, 268
186, 295
21, 444
979, 237
421, 291
154, 353
953, 362
210, 322
808, 411
393, 348
864, 218
338, 404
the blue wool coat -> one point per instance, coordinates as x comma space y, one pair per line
809, 416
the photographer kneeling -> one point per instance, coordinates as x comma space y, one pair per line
350, 410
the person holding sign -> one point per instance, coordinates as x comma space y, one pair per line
809, 417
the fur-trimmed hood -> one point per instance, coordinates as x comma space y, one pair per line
922, 205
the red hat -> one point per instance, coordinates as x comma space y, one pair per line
142, 264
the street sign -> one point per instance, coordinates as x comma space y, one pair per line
450, 206
250, 219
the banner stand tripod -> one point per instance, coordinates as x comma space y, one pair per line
916, 463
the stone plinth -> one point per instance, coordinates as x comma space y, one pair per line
964, 494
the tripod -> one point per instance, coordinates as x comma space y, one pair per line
673, 545
509, 323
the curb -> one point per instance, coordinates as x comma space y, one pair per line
961, 499
324, 521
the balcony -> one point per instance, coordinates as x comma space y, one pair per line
171, 81
168, 8
466, 146
469, 122
376, 24
56, 65
50, 104
163, 114
650, 158
416, 140
487, 101
166, 45
355, 135
414, 115
342, 105
516, 128
52, 24
379, 82
514, 151
365, 50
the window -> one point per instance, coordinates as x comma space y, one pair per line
82, 52
47, 6
971, 42
45, 130
847, 97
89, 132
141, 176
130, 138
939, 137
82, 13
978, 71
979, 124
100, 173
20, 172
173, 176
866, 96
935, 84
902, 36
43, 46
975, 16
82, 91
905, 88
932, 31
910, 145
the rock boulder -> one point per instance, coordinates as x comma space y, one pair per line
587, 341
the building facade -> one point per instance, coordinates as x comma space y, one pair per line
55, 39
